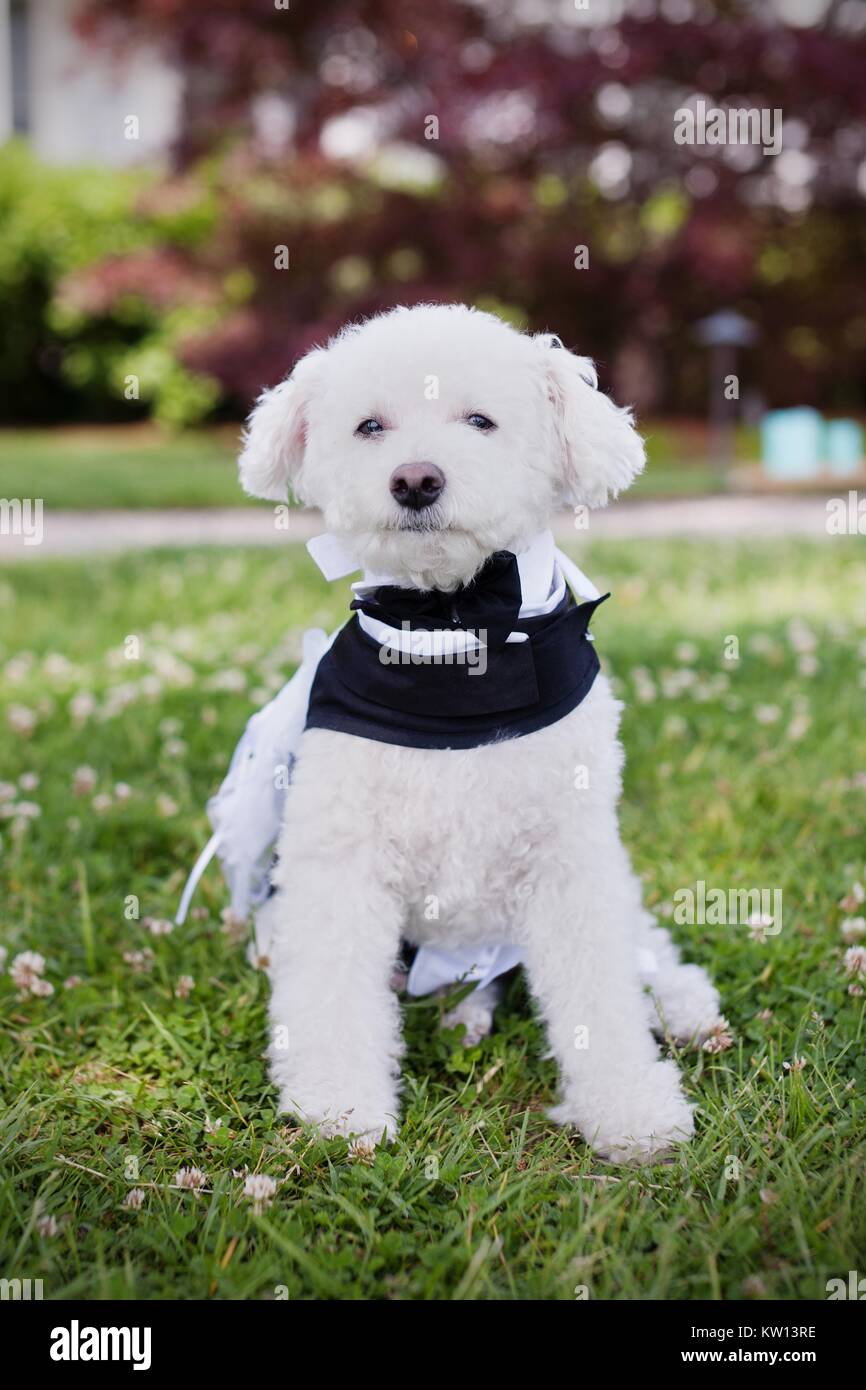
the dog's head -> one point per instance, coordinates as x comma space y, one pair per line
432, 437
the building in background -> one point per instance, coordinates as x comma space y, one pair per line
72, 101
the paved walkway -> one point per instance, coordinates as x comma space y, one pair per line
88, 533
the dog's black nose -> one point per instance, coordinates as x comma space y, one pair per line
417, 485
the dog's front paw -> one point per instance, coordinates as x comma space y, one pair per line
366, 1126
637, 1124
365, 1131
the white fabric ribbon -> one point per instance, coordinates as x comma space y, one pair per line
246, 812
433, 968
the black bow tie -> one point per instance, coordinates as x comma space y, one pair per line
490, 603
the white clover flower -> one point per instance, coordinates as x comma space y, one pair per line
21, 720
134, 1198
853, 898
361, 1150
852, 929
57, 667
801, 637
261, 1190
754, 1286
191, 1180
83, 780
644, 685
184, 987
82, 706
18, 667
767, 714
47, 1227
27, 967
233, 682
141, 962
795, 1064
171, 669
234, 926
158, 926
119, 698
855, 961
798, 727
758, 924
675, 683
720, 1038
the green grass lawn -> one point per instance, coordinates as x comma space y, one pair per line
97, 468
743, 774
141, 466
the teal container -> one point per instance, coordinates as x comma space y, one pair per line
792, 442
843, 447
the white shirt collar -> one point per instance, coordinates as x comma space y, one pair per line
543, 570
535, 564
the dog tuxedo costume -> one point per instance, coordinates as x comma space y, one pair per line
510, 674
503, 656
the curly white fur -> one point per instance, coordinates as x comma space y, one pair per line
499, 835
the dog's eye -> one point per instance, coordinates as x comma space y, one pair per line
370, 427
480, 422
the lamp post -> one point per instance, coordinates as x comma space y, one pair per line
723, 333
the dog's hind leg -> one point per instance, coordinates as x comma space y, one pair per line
684, 1001
475, 1012
626, 1101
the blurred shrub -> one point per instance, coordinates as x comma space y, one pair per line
538, 131
73, 341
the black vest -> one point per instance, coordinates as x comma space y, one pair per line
429, 703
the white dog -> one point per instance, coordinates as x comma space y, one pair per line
432, 439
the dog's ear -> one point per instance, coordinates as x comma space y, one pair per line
275, 439
600, 451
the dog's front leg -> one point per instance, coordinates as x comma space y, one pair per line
335, 1038
624, 1099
